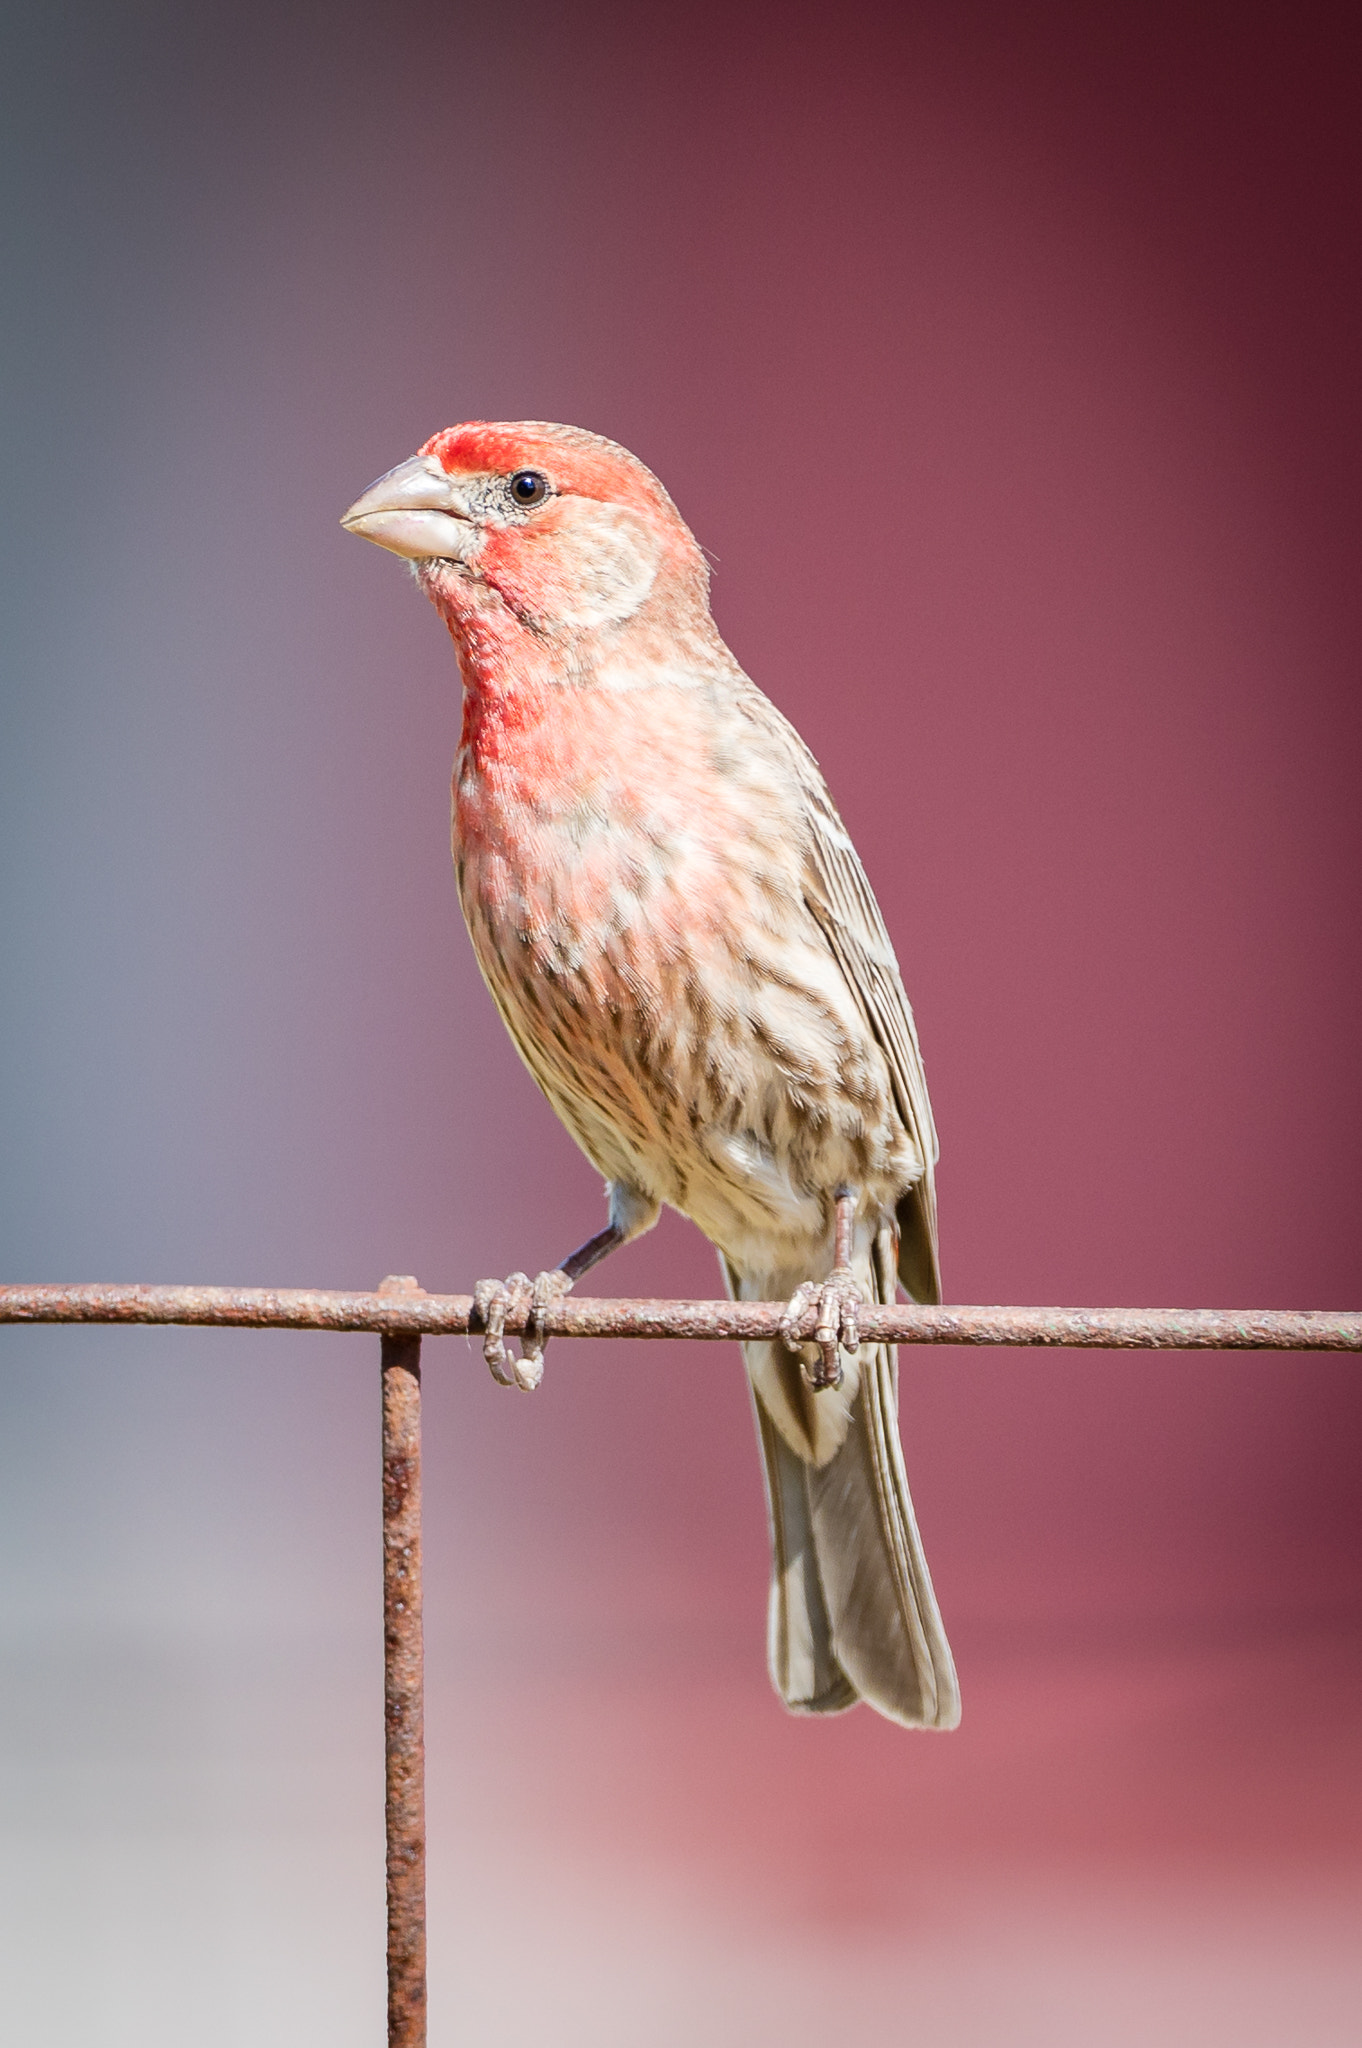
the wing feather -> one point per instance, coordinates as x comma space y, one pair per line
842, 903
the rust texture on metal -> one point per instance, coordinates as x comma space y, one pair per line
403, 1678
449, 1315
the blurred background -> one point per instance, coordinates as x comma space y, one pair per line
1005, 358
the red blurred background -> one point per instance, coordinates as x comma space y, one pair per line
1005, 360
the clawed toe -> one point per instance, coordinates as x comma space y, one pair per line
493, 1300
796, 1309
837, 1328
518, 1297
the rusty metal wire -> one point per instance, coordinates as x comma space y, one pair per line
404, 1744
452, 1315
401, 1314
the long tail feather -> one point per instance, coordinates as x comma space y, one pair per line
852, 1610
804, 1670
886, 1627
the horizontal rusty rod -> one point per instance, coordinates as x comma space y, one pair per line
453, 1315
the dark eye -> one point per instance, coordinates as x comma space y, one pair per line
529, 487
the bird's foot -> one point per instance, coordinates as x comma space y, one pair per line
838, 1300
495, 1300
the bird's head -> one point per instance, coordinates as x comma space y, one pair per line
565, 530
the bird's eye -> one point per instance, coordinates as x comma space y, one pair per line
529, 487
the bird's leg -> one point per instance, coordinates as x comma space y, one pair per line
838, 1299
495, 1300
591, 1253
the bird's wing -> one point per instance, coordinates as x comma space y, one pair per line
842, 903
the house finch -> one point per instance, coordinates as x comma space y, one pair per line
677, 931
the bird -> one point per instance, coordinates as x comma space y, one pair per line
673, 922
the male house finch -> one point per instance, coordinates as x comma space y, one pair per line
677, 931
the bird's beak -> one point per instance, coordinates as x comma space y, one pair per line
414, 511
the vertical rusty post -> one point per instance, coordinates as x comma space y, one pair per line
403, 1683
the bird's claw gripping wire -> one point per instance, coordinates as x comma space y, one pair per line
838, 1298
837, 1329
516, 1296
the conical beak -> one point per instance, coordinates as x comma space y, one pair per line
414, 511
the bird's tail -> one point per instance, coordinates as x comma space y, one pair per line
852, 1612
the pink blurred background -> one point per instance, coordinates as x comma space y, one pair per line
1006, 362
